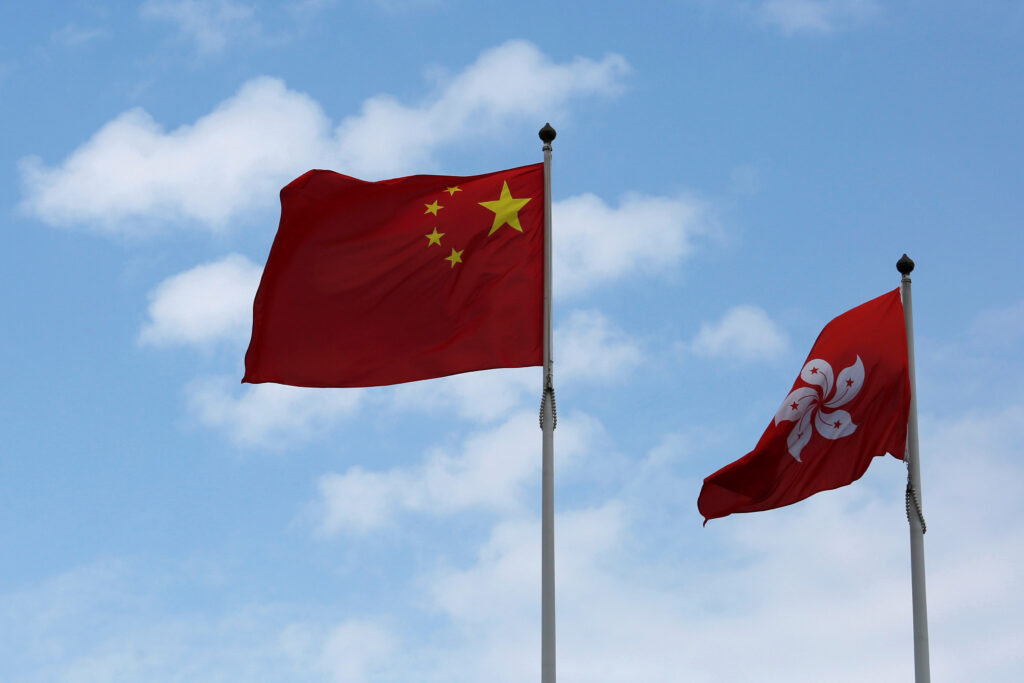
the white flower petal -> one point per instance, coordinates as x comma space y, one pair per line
850, 381
834, 425
800, 435
818, 373
796, 404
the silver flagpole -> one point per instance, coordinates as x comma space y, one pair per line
548, 420
915, 516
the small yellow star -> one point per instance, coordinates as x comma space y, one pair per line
506, 210
456, 257
452, 190
434, 238
433, 207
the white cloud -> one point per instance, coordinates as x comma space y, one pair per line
210, 24
744, 333
267, 414
132, 176
596, 244
588, 346
512, 82
814, 16
207, 303
817, 591
489, 471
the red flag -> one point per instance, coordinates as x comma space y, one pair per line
373, 283
850, 403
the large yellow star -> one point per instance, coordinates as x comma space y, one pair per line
433, 207
456, 257
506, 210
434, 238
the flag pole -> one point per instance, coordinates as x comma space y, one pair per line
915, 516
548, 420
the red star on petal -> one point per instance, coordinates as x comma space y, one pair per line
837, 424
849, 382
794, 405
814, 371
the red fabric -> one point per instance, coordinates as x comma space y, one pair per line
876, 400
355, 293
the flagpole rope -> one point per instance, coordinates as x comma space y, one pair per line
549, 390
911, 501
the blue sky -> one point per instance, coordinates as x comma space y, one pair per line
728, 176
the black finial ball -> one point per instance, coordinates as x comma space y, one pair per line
547, 134
905, 265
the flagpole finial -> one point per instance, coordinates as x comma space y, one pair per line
905, 265
547, 134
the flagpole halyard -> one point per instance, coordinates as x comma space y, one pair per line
547, 420
922, 672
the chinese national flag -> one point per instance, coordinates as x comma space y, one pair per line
850, 403
373, 283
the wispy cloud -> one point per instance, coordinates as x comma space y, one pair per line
1000, 327
267, 415
815, 16
592, 348
72, 35
109, 621
210, 24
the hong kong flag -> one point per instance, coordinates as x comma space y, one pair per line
850, 404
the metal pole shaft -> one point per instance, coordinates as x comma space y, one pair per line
547, 650
922, 673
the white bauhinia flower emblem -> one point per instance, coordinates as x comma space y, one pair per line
805, 405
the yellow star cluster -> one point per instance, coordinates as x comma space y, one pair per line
434, 237
506, 212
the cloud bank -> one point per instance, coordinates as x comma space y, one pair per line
489, 472
133, 177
